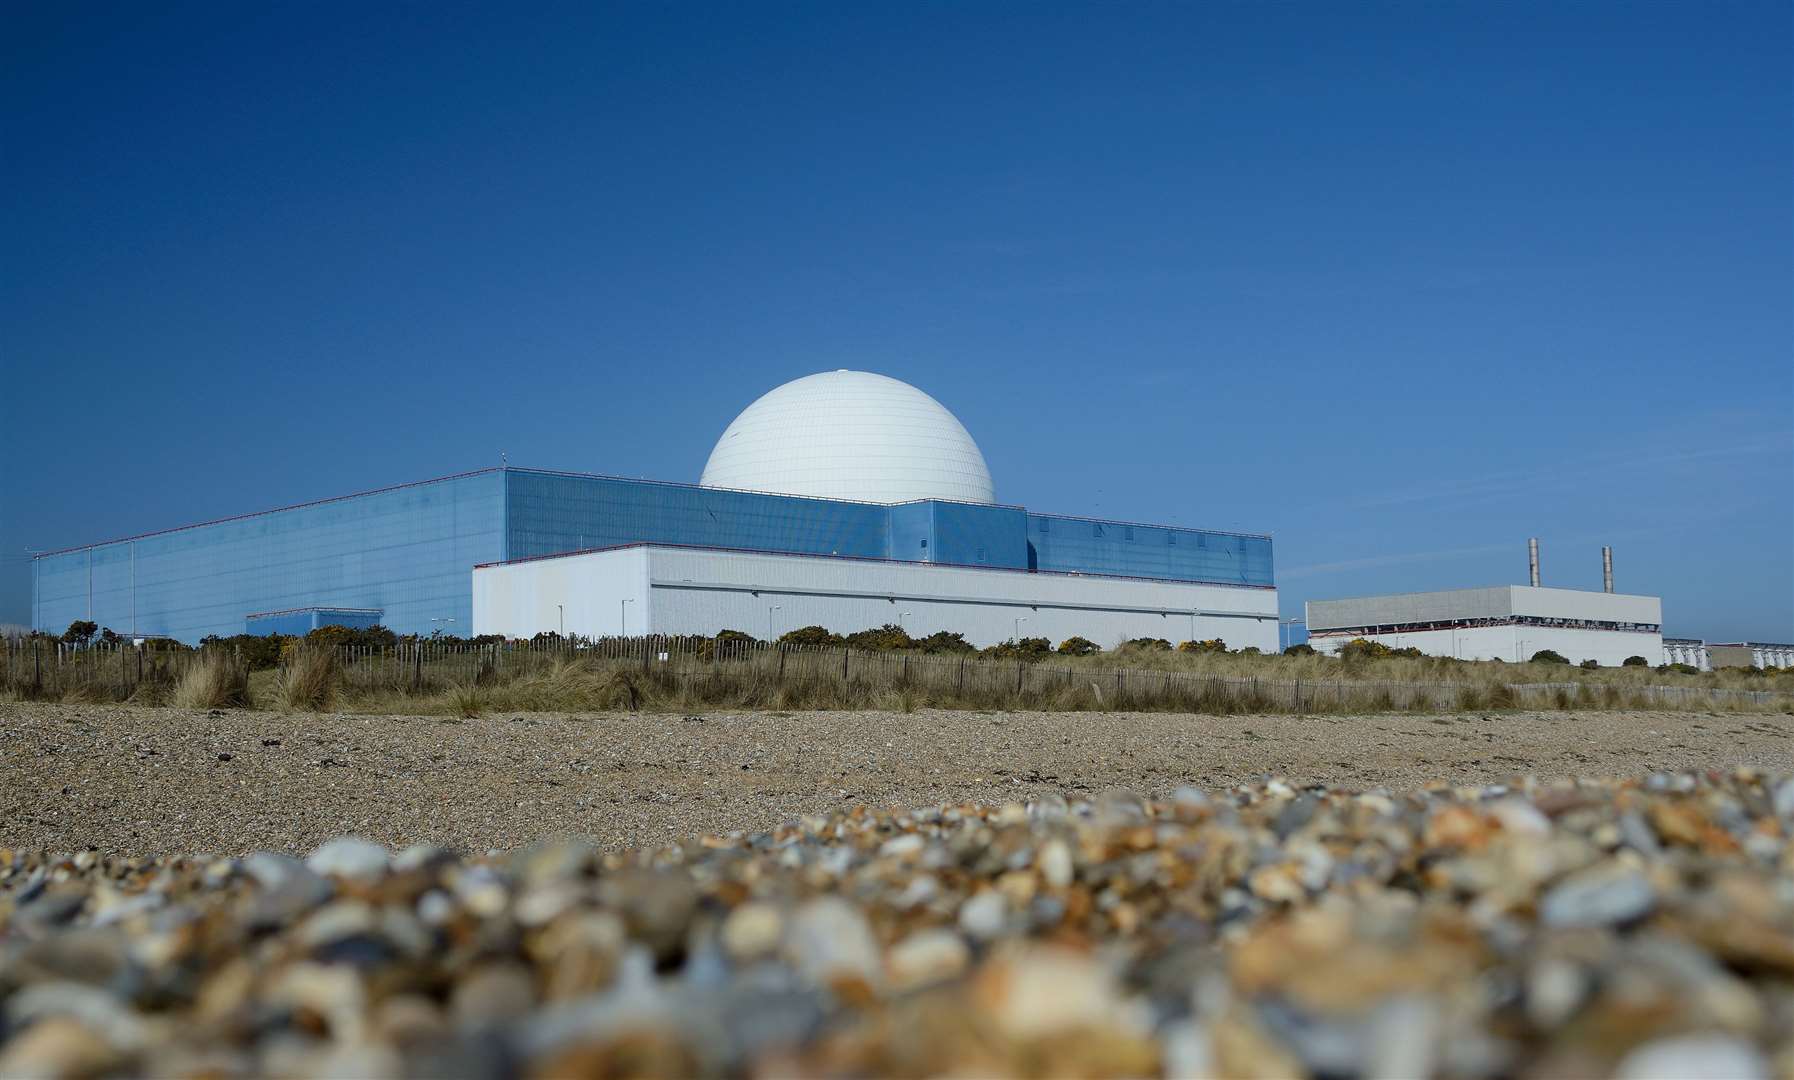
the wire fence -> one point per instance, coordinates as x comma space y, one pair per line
748, 672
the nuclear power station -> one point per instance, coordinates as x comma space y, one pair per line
844, 499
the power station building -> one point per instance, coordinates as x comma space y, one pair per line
1501, 622
843, 499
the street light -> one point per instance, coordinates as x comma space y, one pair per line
439, 629
769, 611
623, 617
1020, 619
900, 618
1281, 645
563, 611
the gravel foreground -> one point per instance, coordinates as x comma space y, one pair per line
1401, 906
1641, 929
141, 781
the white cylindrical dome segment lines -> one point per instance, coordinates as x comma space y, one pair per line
850, 435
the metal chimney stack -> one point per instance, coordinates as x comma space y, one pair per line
1606, 569
1532, 560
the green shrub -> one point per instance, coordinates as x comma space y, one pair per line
1303, 649
810, 635
1152, 644
1591, 665
259, 652
885, 638
1212, 645
1079, 646
1363, 649
1549, 656
335, 637
734, 635
945, 641
1635, 661
1028, 648
80, 632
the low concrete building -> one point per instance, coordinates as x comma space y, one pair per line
1690, 651
1502, 622
664, 589
1741, 654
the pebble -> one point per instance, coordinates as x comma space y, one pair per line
1694, 1057
1606, 894
1637, 929
982, 917
752, 931
350, 858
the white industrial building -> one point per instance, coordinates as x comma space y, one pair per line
850, 500
661, 589
1503, 622
1690, 651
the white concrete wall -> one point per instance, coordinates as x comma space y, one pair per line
1514, 644
1694, 654
1496, 602
701, 591
521, 600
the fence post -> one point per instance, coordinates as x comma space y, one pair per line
844, 654
1018, 676
781, 663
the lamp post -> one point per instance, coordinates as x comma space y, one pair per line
563, 613
623, 617
1020, 619
439, 629
1283, 645
769, 626
1193, 613
900, 617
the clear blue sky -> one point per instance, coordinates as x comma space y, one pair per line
1400, 284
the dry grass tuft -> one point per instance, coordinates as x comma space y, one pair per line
310, 680
214, 681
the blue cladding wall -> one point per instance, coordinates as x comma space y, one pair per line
970, 535
552, 513
407, 550
1087, 546
305, 620
912, 532
410, 551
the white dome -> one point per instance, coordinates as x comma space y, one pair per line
850, 435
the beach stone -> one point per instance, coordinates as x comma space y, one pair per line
927, 957
1694, 1057
1037, 990
1602, 895
1055, 863
898, 847
101, 1014
288, 888
492, 995
350, 858
984, 915
1118, 807
656, 906
752, 930
828, 939
57, 1047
